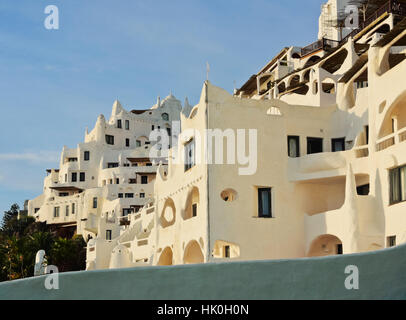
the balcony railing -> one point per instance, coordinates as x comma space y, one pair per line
391, 139
323, 44
392, 6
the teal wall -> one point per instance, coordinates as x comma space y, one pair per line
382, 276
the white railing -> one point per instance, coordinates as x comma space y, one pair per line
391, 139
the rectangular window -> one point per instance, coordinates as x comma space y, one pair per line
129, 195
226, 251
120, 195
391, 241
339, 248
66, 178
194, 210
152, 127
127, 124
138, 143
36, 210
63, 194
338, 145
363, 190
132, 181
109, 139
74, 176
293, 147
119, 124
108, 234
314, 145
112, 165
117, 180
82, 177
127, 142
56, 212
142, 195
95, 203
397, 180
189, 155
144, 179
264, 203
126, 212
73, 208
87, 155
67, 210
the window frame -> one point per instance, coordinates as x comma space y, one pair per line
297, 139
189, 154
334, 140
109, 139
260, 213
86, 156
400, 188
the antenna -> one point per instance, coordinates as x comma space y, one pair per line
207, 71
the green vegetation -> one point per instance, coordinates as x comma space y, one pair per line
20, 240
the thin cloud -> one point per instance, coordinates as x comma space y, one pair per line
39, 157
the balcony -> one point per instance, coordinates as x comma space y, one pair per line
323, 44
390, 140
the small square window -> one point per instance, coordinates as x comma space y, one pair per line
391, 241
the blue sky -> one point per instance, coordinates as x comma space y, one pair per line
54, 83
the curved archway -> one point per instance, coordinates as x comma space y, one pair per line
192, 204
325, 245
335, 62
312, 60
193, 253
393, 111
166, 257
294, 81
281, 87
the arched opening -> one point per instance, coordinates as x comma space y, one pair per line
325, 245
335, 62
329, 86
312, 60
193, 253
166, 257
192, 204
294, 81
306, 76
168, 215
281, 87
295, 55
395, 119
